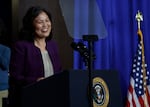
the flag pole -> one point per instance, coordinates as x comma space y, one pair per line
139, 18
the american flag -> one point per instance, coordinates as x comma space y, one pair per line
139, 88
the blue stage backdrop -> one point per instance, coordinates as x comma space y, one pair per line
117, 48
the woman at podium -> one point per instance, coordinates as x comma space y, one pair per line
35, 56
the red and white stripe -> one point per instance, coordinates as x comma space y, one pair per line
133, 100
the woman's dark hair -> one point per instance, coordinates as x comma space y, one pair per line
27, 31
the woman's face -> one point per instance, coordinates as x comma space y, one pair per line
42, 25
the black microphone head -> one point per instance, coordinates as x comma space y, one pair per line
74, 45
82, 46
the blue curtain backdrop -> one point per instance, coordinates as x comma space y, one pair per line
117, 49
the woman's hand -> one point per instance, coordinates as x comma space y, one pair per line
41, 78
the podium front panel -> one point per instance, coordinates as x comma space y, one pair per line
70, 89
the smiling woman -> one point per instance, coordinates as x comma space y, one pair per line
42, 25
36, 56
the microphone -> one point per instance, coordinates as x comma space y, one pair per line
81, 48
74, 46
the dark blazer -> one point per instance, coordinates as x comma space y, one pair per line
26, 63
4, 66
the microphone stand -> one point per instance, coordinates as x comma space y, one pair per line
90, 39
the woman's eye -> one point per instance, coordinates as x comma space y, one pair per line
39, 22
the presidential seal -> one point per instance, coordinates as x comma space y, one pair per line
100, 93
